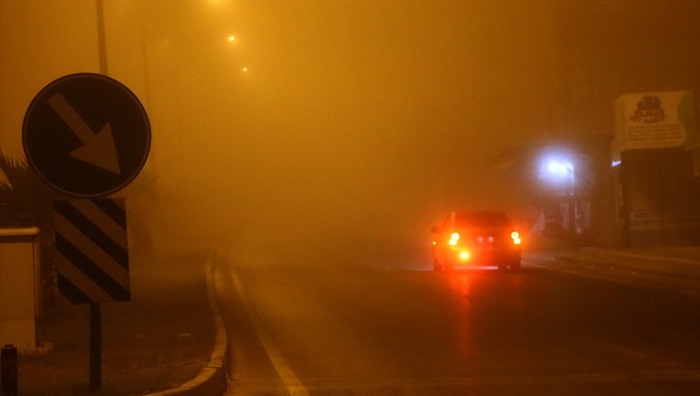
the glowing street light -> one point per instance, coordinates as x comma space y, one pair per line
559, 168
555, 169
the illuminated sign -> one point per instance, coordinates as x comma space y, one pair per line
656, 120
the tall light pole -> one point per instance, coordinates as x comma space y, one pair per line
558, 169
101, 37
573, 205
95, 310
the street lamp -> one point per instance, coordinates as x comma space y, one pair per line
555, 170
563, 168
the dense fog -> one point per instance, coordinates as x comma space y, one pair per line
304, 117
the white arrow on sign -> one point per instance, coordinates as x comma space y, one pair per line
97, 149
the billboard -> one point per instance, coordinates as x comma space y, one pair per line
656, 120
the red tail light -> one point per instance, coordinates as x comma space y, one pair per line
515, 236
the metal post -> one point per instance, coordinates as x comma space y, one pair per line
95, 347
9, 370
95, 313
101, 37
572, 216
625, 198
661, 174
573, 213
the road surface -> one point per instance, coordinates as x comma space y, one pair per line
309, 319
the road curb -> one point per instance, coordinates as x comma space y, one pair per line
680, 260
610, 264
213, 378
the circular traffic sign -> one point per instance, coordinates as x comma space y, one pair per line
86, 135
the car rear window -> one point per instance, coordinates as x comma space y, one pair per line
482, 219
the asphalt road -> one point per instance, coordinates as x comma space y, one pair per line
310, 319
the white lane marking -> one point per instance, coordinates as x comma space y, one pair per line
284, 370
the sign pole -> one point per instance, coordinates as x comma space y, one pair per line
101, 37
95, 311
95, 347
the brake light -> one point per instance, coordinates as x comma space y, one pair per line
515, 236
464, 255
454, 237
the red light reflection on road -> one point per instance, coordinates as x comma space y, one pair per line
463, 285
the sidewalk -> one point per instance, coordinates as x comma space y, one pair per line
663, 267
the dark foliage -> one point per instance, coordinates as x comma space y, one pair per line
25, 200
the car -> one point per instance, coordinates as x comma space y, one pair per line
476, 238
